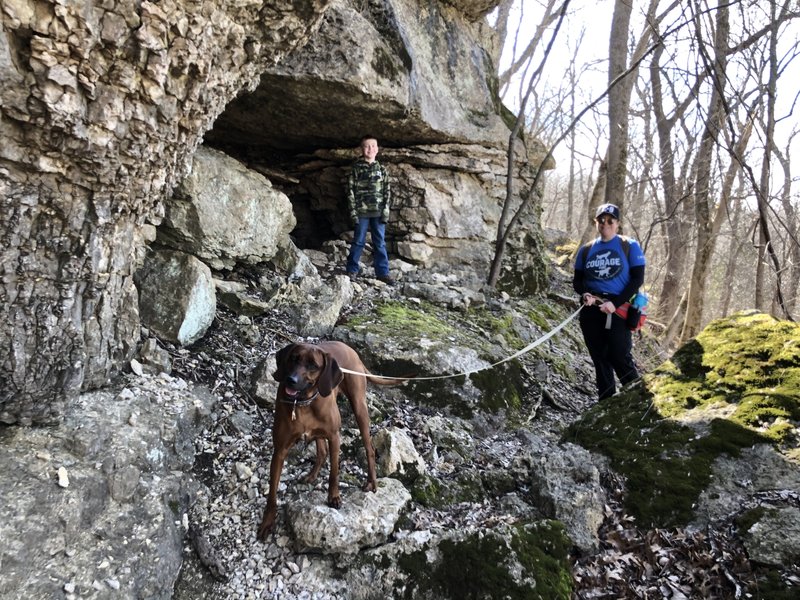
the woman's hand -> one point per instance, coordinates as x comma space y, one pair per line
608, 307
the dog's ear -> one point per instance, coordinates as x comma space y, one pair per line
330, 377
280, 362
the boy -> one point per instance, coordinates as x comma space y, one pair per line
368, 200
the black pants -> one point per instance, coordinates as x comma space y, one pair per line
610, 349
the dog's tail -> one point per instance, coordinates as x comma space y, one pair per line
388, 381
384, 381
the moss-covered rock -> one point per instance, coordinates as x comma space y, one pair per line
432, 343
439, 493
736, 385
523, 272
527, 562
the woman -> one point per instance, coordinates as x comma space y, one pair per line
608, 272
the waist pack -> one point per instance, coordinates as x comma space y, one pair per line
634, 317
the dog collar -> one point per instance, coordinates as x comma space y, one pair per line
296, 402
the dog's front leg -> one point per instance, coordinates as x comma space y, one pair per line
271, 512
334, 498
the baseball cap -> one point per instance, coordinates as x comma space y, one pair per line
607, 209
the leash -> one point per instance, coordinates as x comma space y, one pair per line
525, 350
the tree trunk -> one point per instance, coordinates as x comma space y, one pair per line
793, 253
732, 254
702, 189
618, 102
766, 247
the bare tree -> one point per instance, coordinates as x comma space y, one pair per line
504, 225
521, 61
624, 74
675, 226
792, 257
762, 191
678, 180
733, 251
619, 98
717, 66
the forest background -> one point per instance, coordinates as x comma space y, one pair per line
682, 112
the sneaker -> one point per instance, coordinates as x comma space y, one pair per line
387, 279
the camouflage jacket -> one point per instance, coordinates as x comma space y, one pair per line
368, 191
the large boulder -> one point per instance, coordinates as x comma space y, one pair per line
711, 432
224, 213
177, 297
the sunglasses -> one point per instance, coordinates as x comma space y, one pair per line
605, 220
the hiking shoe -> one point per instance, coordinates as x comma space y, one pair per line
387, 279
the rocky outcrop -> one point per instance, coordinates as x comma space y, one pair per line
98, 506
101, 106
410, 72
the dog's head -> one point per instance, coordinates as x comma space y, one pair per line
302, 367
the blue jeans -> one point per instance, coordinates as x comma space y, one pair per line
379, 257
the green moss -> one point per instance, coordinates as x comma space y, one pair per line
394, 316
544, 315
666, 464
769, 585
749, 362
531, 563
494, 325
738, 383
467, 486
749, 518
427, 491
502, 387
543, 548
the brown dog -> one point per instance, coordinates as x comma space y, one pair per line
310, 378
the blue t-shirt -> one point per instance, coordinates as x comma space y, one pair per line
607, 269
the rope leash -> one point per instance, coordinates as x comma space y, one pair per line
525, 350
